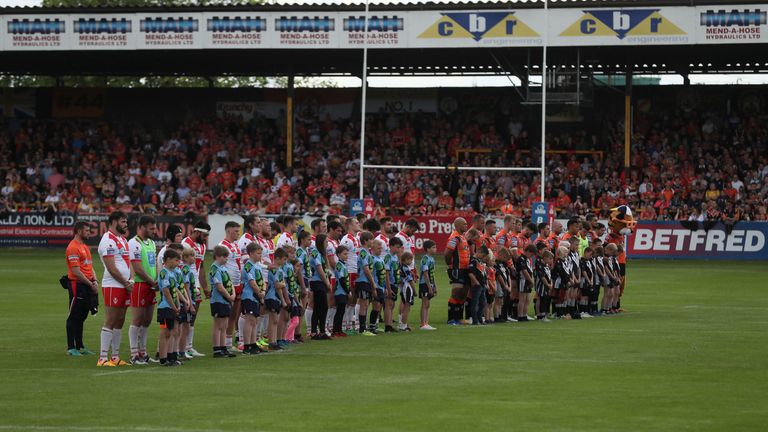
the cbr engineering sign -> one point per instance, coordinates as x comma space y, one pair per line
234, 29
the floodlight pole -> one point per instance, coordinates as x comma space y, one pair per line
362, 104
544, 99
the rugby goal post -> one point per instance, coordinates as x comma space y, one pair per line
540, 169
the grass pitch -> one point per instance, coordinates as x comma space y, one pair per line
691, 353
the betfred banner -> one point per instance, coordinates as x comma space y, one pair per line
672, 240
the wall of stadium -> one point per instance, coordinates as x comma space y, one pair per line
658, 240
390, 29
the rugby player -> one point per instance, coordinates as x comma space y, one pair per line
351, 241
233, 267
116, 284
197, 241
143, 263
457, 260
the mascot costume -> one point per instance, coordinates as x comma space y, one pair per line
621, 223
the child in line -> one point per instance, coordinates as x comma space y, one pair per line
427, 284
222, 297
341, 290
168, 308
407, 290
253, 294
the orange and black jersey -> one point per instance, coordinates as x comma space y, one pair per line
488, 242
459, 248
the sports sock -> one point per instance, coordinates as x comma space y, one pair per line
361, 321
240, 327
308, 320
374, 319
143, 339
106, 341
190, 338
329, 318
228, 341
133, 339
117, 336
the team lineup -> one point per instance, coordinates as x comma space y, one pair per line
342, 276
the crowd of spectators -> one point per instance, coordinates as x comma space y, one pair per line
706, 165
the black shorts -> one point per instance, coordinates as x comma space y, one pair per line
394, 290
622, 270
317, 286
166, 317
272, 305
341, 300
183, 316
249, 307
221, 310
364, 290
489, 298
379, 296
295, 308
524, 288
424, 291
459, 276
407, 294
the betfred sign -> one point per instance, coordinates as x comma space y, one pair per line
746, 241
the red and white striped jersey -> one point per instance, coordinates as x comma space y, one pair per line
233, 261
115, 246
352, 243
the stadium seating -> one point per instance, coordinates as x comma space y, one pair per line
685, 166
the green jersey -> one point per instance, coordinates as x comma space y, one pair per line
144, 251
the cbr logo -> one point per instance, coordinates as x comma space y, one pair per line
478, 25
622, 23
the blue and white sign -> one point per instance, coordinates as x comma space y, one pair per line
356, 206
540, 213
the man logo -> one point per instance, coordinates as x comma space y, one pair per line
477, 26
622, 23
35, 26
722, 18
168, 25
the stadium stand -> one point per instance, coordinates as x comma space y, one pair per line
697, 165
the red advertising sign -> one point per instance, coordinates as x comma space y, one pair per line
435, 228
368, 206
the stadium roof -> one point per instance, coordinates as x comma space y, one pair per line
657, 59
381, 6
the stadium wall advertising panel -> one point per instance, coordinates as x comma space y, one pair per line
745, 241
55, 230
390, 29
658, 240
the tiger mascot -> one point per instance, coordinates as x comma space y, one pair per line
621, 223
